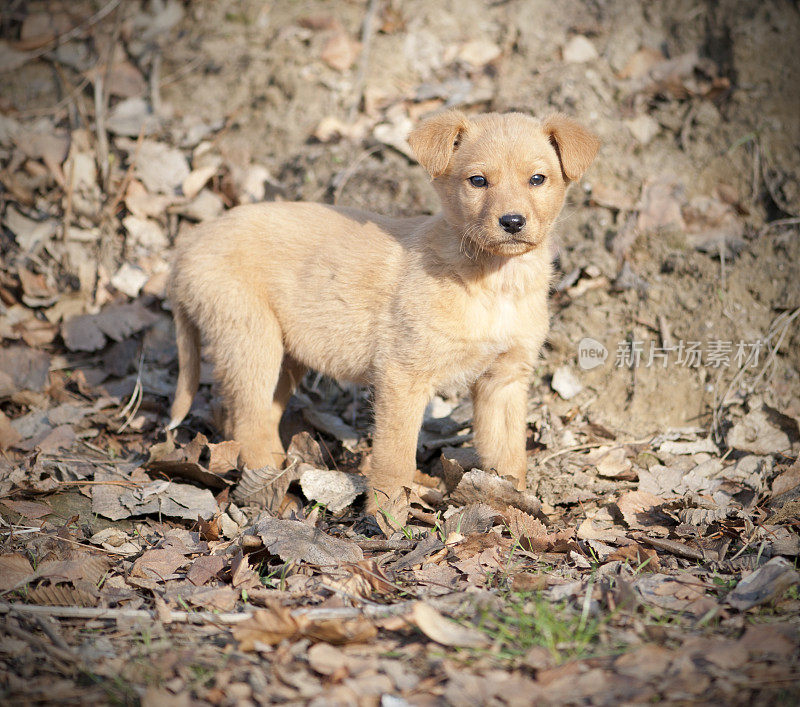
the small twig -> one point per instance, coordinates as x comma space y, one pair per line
686, 127
68, 192
779, 223
52, 632
343, 177
187, 68
671, 546
580, 447
136, 398
155, 81
126, 180
39, 531
386, 545
774, 352
756, 170
206, 617
59, 654
75, 92
101, 97
664, 331
367, 30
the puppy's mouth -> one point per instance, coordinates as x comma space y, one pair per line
481, 240
510, 246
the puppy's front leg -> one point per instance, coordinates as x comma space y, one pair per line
500, 399
399, 405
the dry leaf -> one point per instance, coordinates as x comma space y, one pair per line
8, 434
614, 464
204, 568
210, 529
392, 513
341, 51
637, 509
370, 571
142, 203
304, 448
28, 509
475, 518
338, 631
22, 368
334, 489
765, 584
673, 593
638, 556
443, 630
243, 576
332, 425
787, 480
641, 63
196, 180
268, 626
15, 570
478, 52
265, 487
60, 595
273, 625
326, 659
88, 332
757, 434
160, 167
660, 205
294, 541
157, 564
478, 486
223, 457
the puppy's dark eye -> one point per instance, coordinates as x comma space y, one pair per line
478, 181
537, 179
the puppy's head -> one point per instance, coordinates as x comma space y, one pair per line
502, 177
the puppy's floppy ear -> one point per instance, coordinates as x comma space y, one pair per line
574, 145
435, 140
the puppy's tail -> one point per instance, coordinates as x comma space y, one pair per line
188, 337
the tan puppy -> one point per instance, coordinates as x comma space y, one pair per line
408, 305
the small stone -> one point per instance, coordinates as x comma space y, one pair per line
579, 50
643, 128
565, 383
129, 280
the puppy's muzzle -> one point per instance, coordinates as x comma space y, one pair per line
512, 223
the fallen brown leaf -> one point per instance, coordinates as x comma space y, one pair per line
204, 568
28, 509
443, 630
294, 541
765, 584
478, 486
157, 564
341, 51
15, 570
645, 558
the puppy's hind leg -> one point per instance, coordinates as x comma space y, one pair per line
188, 340
248, 354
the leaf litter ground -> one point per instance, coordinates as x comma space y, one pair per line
654, 554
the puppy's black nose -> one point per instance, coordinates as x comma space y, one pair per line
512, 223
